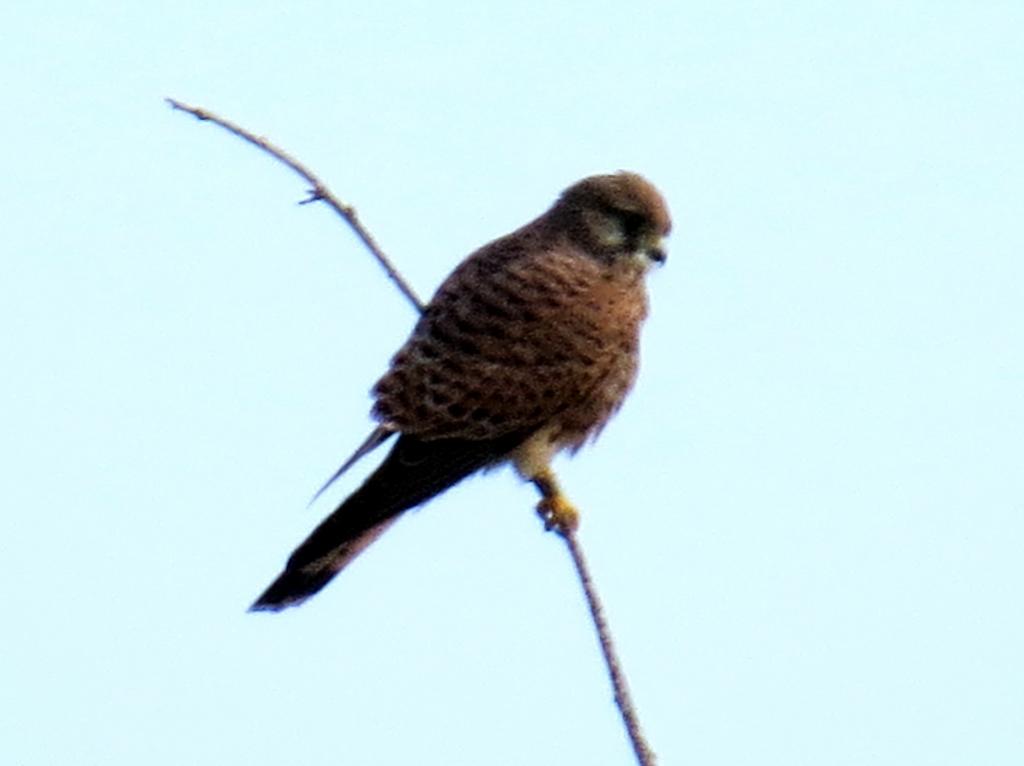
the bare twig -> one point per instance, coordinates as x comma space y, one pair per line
623, 699
320, 192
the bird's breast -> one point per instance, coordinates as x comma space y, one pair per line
543, 343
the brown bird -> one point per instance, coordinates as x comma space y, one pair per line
526, 350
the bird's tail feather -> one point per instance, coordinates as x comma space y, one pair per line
412, 473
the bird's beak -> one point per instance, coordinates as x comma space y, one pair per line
655, 251
657, 254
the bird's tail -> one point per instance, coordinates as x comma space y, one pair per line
412, 473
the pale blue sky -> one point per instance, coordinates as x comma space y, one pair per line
807, 522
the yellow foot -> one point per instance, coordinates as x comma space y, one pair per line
558, 513
554, 507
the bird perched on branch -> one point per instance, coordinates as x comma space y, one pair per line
527, 349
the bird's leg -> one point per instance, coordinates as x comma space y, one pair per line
554, 507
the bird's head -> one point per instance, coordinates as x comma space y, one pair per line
615, 216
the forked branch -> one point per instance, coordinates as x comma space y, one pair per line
318, 192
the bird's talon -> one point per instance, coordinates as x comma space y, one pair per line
558, 514
546, 516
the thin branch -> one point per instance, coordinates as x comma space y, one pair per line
320, 192
623, 699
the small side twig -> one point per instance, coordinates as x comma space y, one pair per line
320, 192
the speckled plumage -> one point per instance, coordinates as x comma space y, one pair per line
526, 349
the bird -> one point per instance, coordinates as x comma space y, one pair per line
526, 350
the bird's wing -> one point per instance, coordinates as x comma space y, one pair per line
414, 471
380, 435
508, 344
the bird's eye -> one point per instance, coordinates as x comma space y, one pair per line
632, 223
